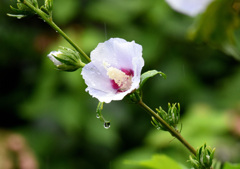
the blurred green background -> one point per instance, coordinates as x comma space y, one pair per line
55, 118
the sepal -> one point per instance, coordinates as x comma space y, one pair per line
151, 73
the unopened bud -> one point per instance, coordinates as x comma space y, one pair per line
203, 158
66, 59
49, 5
172, 117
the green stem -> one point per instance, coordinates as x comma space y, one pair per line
171, 130
49, 20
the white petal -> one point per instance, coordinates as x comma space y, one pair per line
96, 79
116, 52
189, 7
53, 59
106, 97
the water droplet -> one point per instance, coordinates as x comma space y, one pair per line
56, 31
107, 125
97, 116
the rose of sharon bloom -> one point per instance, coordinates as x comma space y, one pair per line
114, 70
189, 7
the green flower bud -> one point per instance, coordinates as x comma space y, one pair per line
47, 8
34, 3
172, 117
21, 10
66, 59
49, 5
203, 158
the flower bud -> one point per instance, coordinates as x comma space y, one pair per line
66, 59
203, 158
172, 117
21, 10
49, 5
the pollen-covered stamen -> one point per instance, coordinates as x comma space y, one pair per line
122, 81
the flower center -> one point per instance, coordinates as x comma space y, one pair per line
121, 79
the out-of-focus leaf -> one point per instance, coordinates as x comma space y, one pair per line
157, 162
217, 27
231, 166
65, 11
117, 12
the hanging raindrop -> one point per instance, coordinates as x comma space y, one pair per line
107, 124
98, 116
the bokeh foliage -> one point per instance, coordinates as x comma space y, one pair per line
57, 117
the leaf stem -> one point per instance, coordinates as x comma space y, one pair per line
49, 20
171, 130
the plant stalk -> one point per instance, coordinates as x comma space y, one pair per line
171, 130
49, 20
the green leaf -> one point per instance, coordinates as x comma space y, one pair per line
157, 162
145, 76
231, 166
